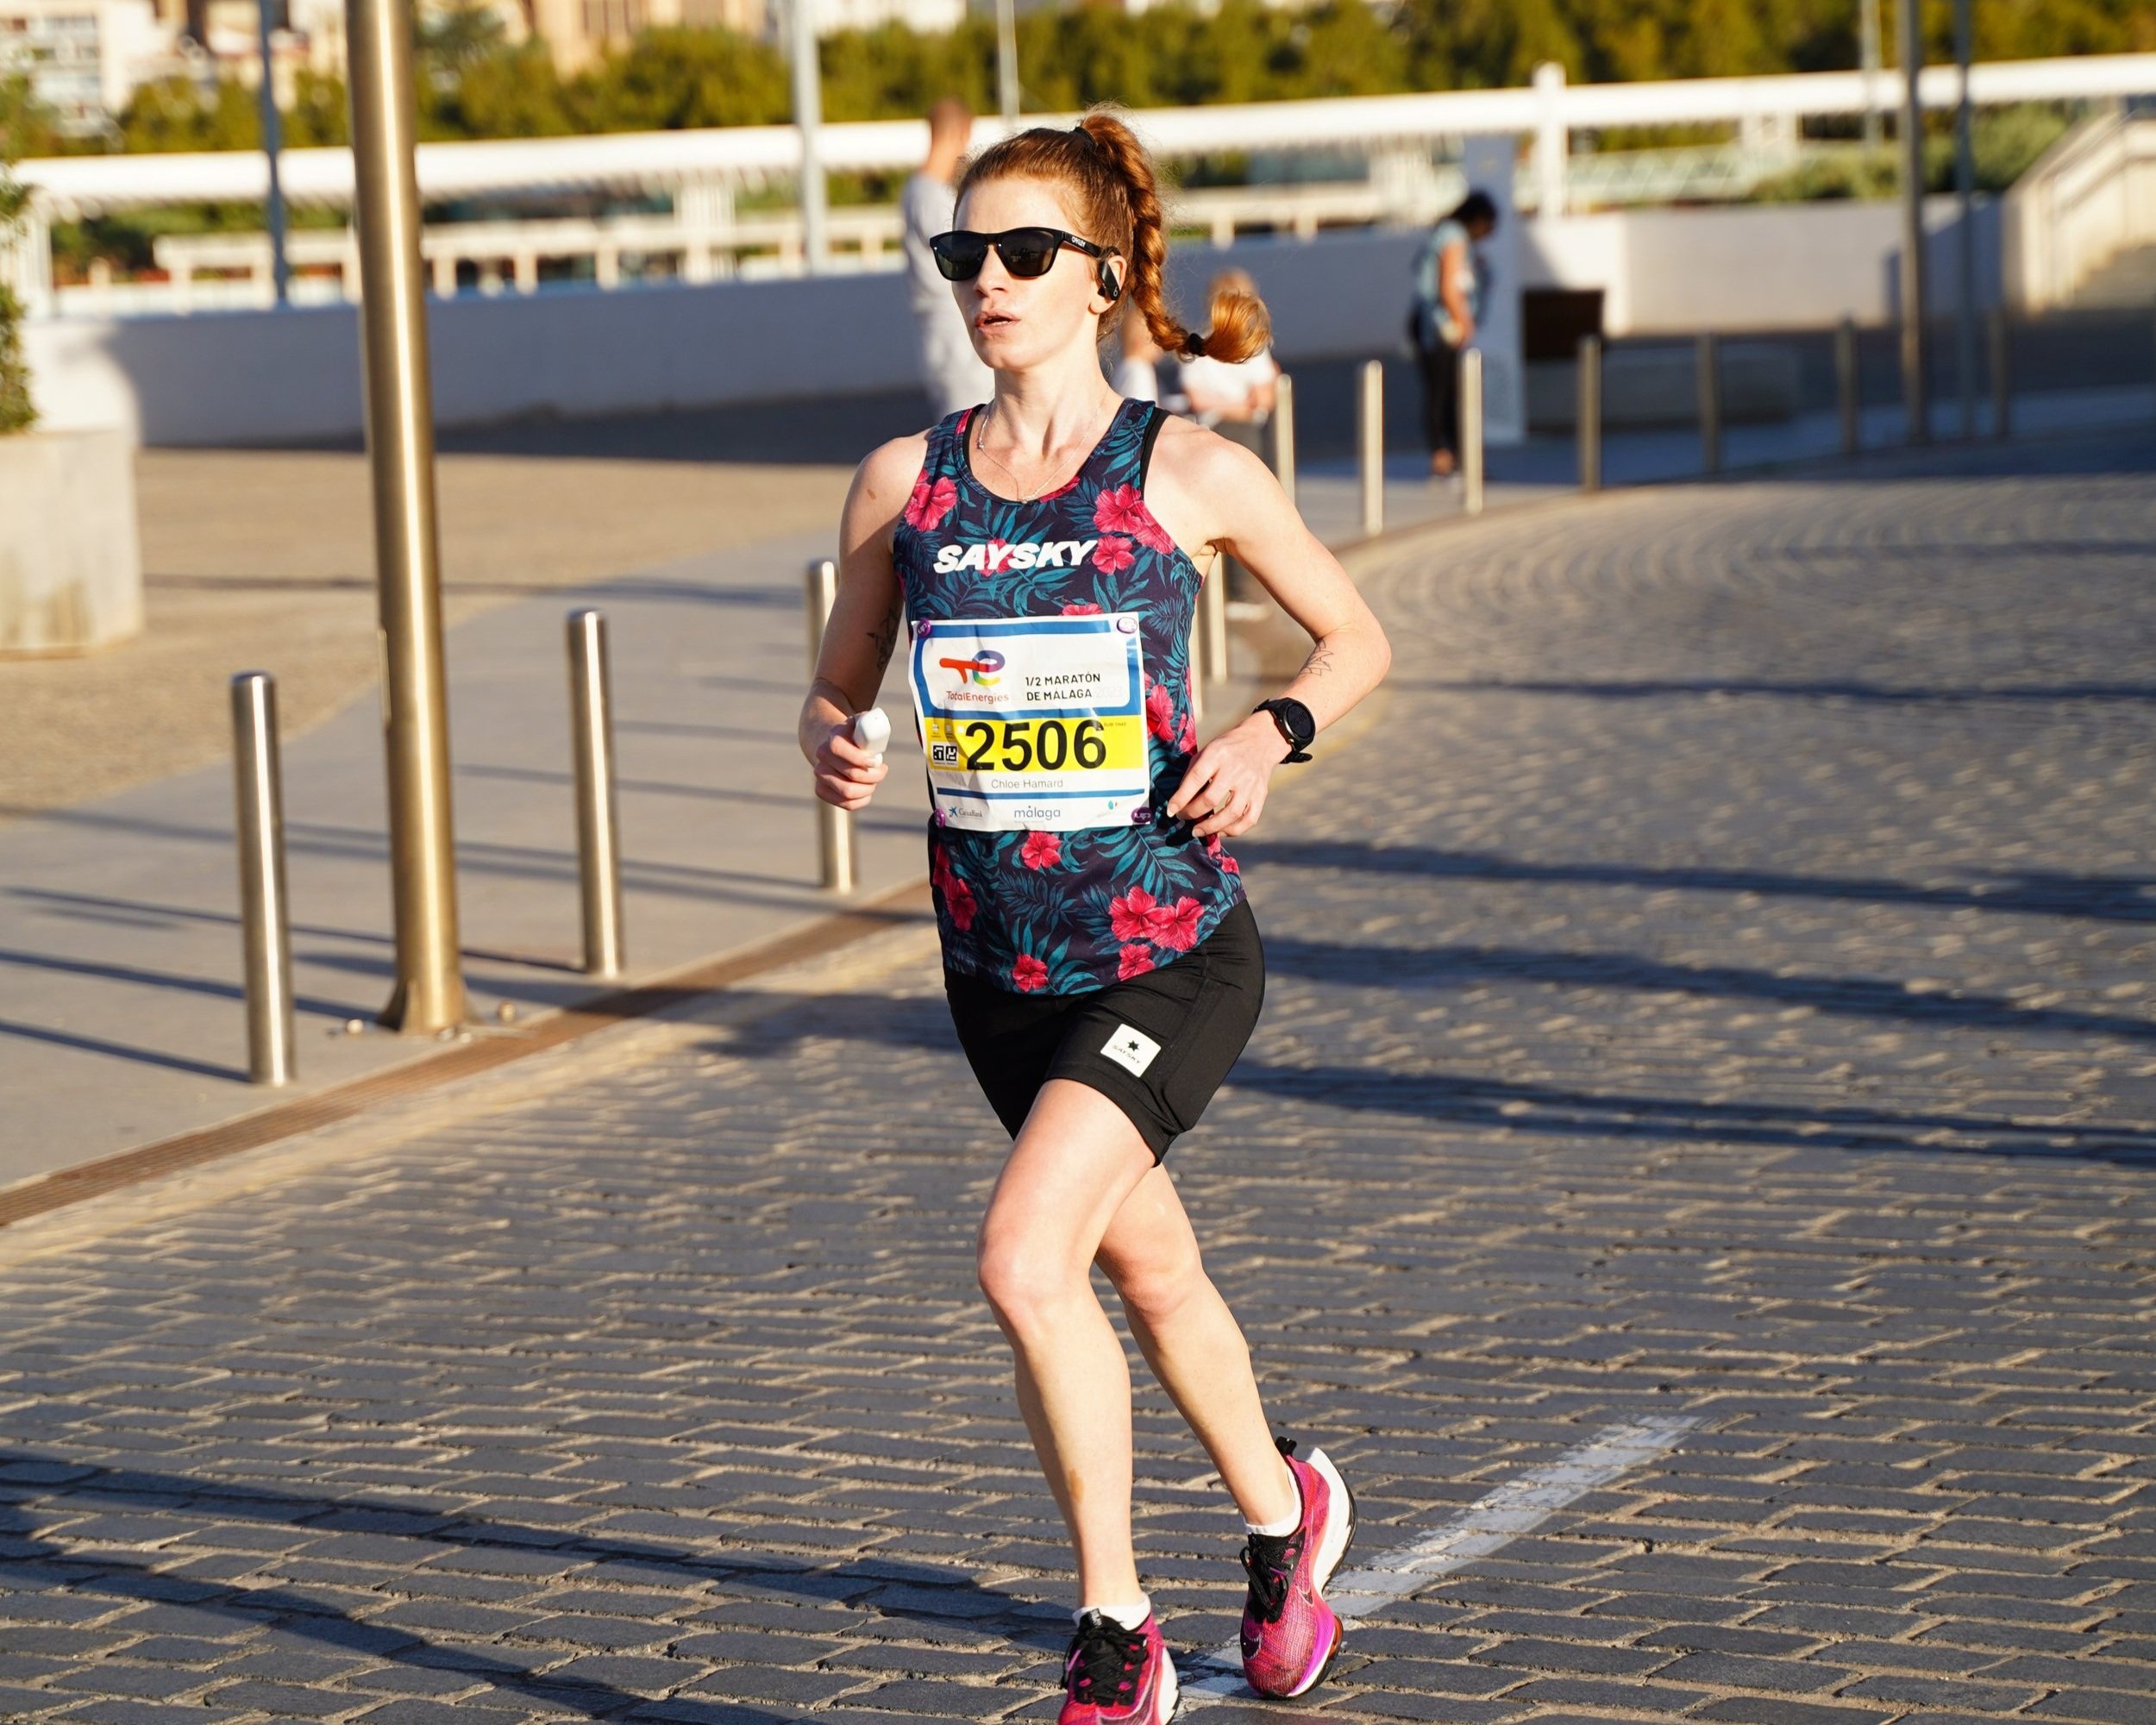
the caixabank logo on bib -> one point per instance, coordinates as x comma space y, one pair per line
996, 555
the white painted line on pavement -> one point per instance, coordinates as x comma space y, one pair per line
1517, 1507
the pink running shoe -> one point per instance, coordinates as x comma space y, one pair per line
1290, 1634
1115, 1676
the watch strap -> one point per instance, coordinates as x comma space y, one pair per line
1298, 747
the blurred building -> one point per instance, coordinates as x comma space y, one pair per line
577, 32
83, 57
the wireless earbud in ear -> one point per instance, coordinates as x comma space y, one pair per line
1110, 283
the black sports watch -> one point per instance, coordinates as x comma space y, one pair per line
1297, 727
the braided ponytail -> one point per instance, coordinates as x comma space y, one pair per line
1103, 161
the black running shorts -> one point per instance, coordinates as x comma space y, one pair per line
1157, 1046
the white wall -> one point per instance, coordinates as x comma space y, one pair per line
1753, 267
269, 377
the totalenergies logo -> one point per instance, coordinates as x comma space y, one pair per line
980, 670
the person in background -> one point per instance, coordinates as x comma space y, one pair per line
1138, 373
951, 372
1448, 311
1234, 399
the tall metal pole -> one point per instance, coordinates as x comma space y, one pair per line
266, 933
1284, 434
1707, 376
1370, 424
808, 118
598, 809
1868, 59
2002, 373
1007, 59
429, 993
1965, 226
1916, 386
1471, 430
1848, 387
273, 144
1590, 414
837, 849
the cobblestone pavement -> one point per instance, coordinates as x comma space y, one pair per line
1716, 986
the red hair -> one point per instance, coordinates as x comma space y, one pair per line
1101, 161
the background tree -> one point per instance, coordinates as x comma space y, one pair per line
16, 114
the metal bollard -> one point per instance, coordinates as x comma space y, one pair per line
1847, 396
1590, 412
598, 811
1999, 337
1471, 430
1212, 623
264, 905
1708, 367
1284, 434
837, 848
1370, 444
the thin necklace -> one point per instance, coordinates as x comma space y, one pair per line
1017, 484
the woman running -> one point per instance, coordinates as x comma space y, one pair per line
1102, 967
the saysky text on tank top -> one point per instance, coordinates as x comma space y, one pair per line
1066, 911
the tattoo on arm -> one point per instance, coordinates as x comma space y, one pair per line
1320, 663
885, 635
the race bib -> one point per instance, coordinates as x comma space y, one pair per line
1033, 721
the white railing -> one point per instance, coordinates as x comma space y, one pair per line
1367, 125
701, 171
2089, 197
227, 270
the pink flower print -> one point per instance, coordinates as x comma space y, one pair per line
1080, 609
1029, 974
1177, 930
958, 900
1160, 712
1131, 916
1218, 852
1111, 554
1123, 510
931, 503
1116, 511
1041, 849
1135, 961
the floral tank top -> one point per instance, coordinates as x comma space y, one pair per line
1063, 912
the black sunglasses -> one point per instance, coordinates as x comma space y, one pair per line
1026, 252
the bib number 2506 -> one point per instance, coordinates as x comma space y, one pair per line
1015, 744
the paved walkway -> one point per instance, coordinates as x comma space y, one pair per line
1714, 990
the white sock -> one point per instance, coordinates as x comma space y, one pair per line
1129, 1616
1286, 1524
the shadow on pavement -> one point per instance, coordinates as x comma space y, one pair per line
120, 1050
1657, 689
1865, 997
834, 431
2107, 897
1476, 1104
1540, 1110
66, 1490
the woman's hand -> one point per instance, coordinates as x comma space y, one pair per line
1224, 791
846, 773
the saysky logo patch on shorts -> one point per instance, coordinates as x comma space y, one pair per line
1132, 1050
